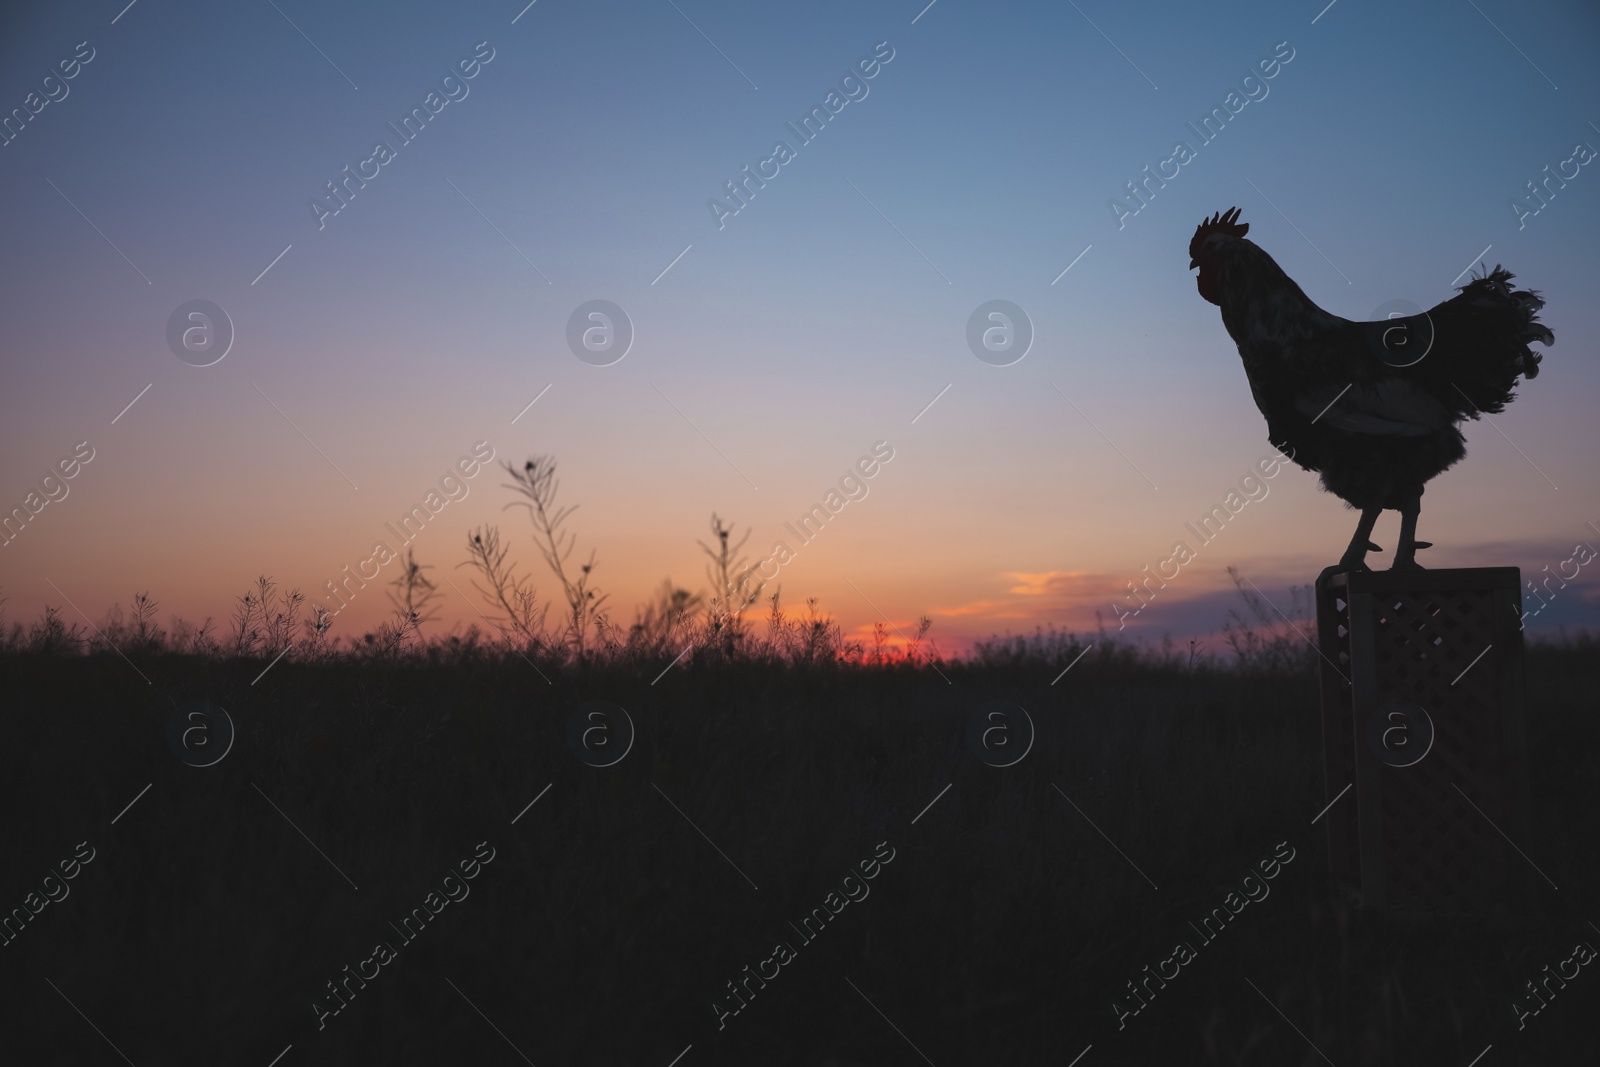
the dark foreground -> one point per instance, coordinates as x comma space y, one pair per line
627, 915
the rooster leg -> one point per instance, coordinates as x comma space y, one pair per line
1405, 557
1354, 558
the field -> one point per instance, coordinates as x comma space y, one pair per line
445, 801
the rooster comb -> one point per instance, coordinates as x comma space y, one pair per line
1222, 222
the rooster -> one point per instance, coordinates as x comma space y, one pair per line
1373, 406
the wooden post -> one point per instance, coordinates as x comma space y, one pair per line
1422, 711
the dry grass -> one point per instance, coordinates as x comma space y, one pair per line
1001, 932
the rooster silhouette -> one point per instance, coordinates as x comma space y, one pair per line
1374, 407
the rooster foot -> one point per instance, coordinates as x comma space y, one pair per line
1409, 563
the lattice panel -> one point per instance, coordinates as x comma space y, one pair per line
1446, 642
1338, 733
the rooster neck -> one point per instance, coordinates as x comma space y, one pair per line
1262, 307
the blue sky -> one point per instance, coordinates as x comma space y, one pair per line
820, 319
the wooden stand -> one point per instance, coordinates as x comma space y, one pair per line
1422, 709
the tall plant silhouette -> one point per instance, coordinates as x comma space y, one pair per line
414, 593
507, 590
536, 481
1264, 640
264, 620
730, 575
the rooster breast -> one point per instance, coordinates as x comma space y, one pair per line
1375, 437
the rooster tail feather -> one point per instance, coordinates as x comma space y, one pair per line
1531, 329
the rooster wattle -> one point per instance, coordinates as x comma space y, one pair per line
1373, 406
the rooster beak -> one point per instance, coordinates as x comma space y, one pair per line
1193, 264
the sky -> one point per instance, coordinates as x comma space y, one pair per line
586, 157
